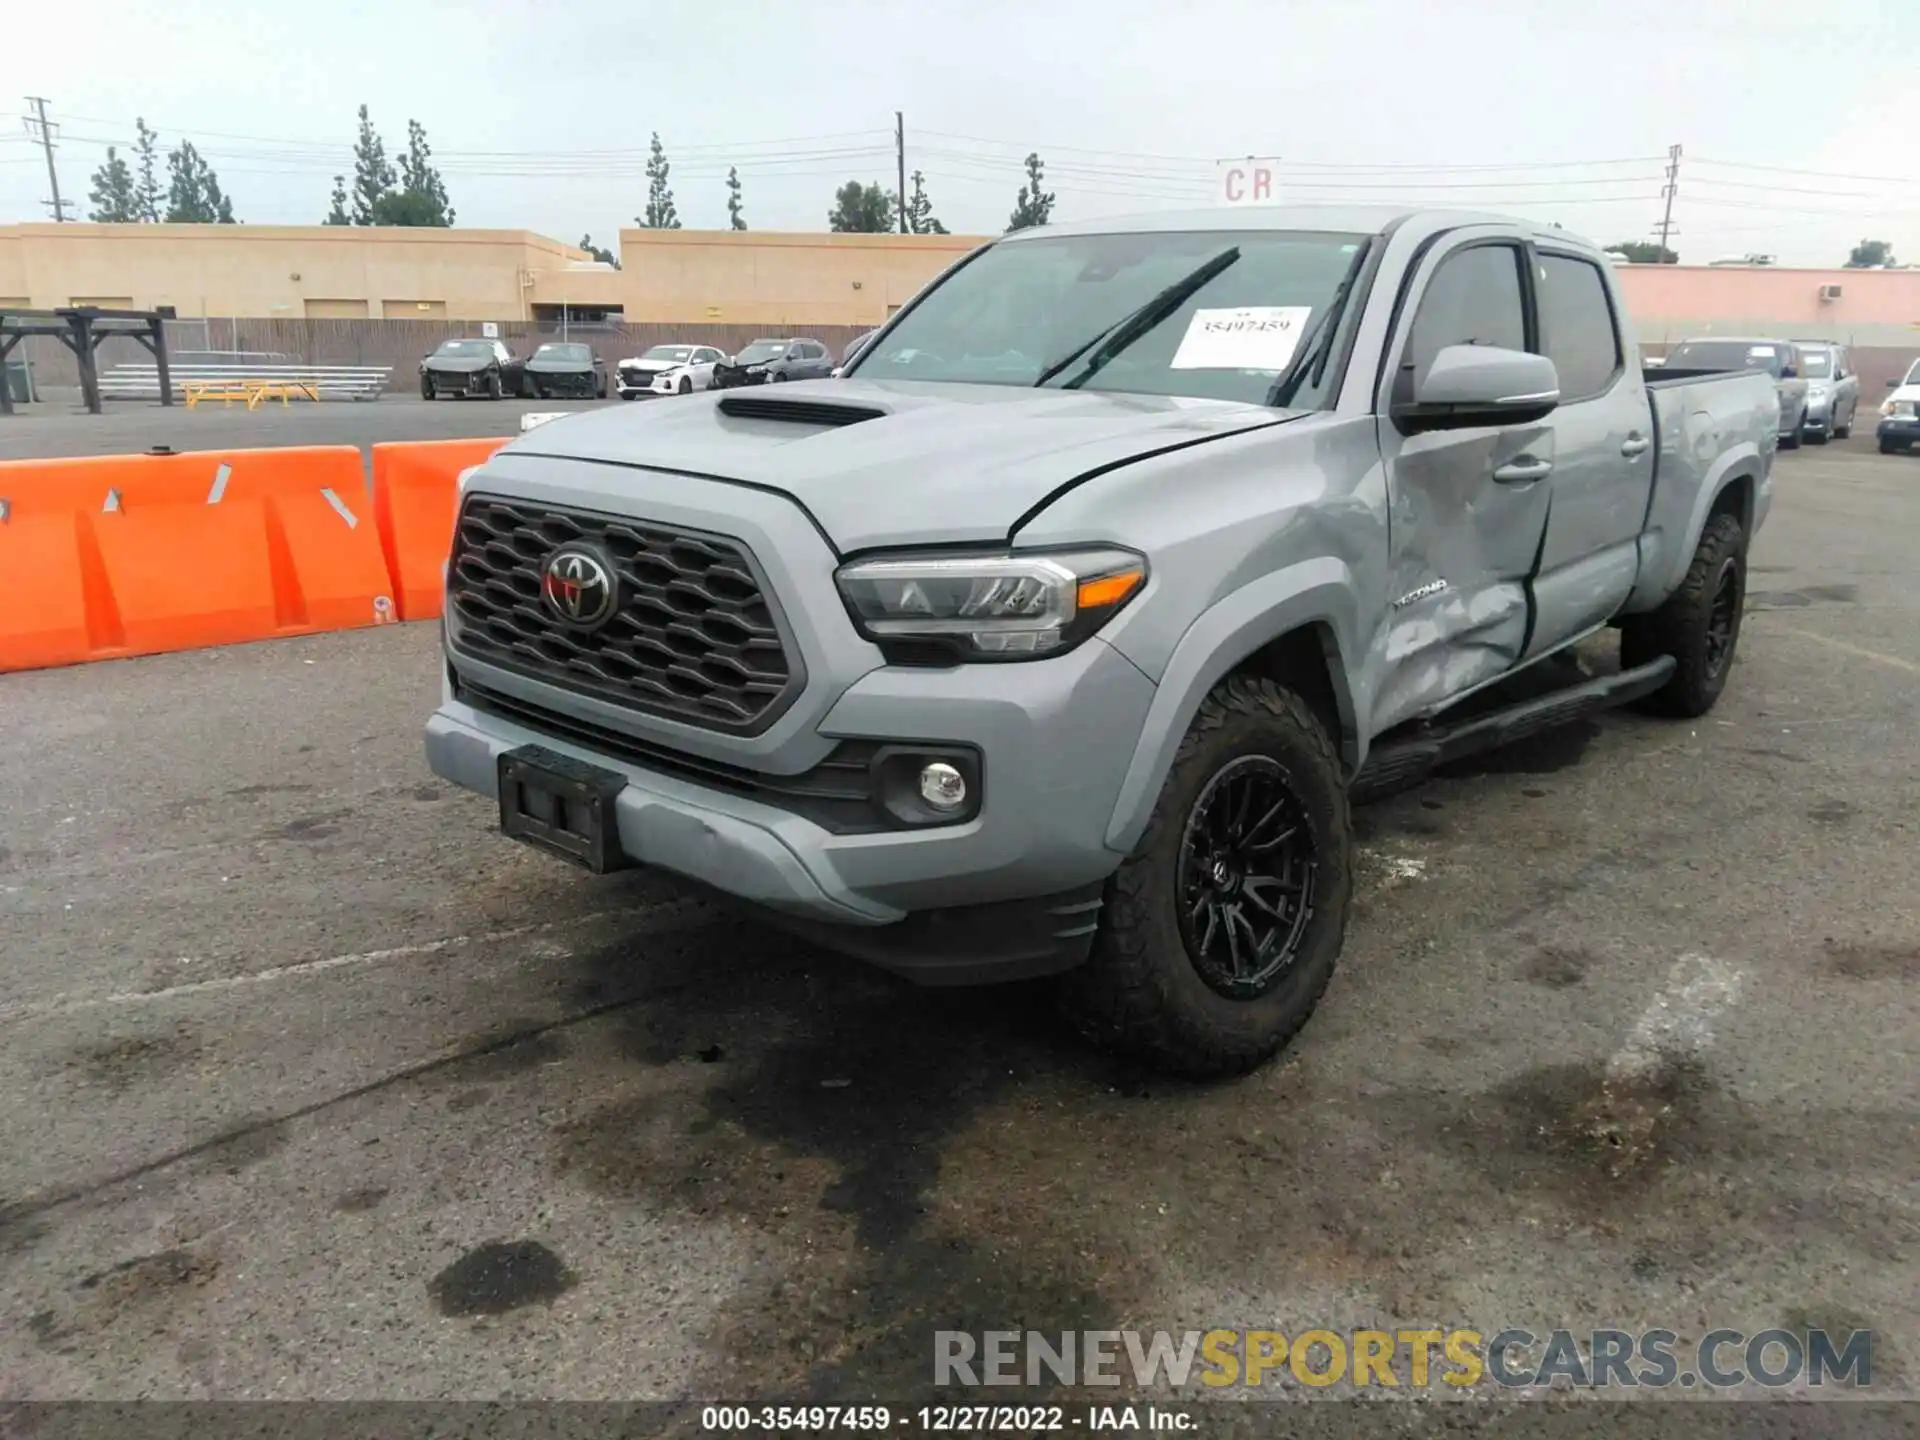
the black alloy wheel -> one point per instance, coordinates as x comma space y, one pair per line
1246, 884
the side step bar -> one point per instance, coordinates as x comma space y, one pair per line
1401, 763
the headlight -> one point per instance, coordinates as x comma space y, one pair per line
1816, 391
1906, 409
990, 607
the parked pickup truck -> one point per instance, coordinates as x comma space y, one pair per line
1057, 636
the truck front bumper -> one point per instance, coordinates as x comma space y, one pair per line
1013, 892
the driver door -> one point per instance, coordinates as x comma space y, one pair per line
1467, 508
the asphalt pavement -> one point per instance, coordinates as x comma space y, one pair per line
315, 1087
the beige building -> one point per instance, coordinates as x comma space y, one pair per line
269, 272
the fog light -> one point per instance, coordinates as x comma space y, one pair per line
942, 786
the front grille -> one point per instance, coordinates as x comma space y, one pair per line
838, 794
692, 636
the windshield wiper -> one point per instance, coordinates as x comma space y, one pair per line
1129, 328
1319, 342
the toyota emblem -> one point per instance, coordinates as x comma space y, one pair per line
578, 587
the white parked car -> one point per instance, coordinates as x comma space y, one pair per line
668, 370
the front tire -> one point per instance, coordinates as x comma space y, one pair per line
686, 384
1699, 625
426, 388
495, 390
1221, 930
1844, 432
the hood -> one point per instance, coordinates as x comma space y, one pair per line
459, 364
560, 367
1909, 393
651, 367
940, 464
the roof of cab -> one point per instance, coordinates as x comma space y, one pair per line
1348, 219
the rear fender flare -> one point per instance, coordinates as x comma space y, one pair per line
1320, 593
1662, 572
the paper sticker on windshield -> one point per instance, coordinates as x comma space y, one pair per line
1252, 337
1760, 352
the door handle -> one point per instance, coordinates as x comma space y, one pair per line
1635, 446
1522, 470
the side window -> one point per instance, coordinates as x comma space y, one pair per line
1576, 326
1472, 299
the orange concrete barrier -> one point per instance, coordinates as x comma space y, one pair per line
414, 493
137, 554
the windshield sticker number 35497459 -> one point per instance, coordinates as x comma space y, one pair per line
1250, 337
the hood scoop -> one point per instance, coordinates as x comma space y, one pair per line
797, 412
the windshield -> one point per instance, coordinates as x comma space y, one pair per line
466, 347
1728, 355
1010, 316
1818, 363
578, 354
761, 350
1912, 377
676, 353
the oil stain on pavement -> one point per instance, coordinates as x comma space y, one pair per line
499, 1276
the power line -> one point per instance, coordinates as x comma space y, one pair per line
1819, 174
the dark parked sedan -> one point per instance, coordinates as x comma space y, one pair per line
470, 367
766, 361
567, 370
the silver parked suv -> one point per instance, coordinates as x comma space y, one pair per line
1833, 390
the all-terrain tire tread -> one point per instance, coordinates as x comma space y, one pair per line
1117, 998
1673, 627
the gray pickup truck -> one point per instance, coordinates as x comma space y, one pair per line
1056, 638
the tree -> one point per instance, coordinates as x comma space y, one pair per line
422, 196
920, 218
861, 210
1645, 252
146, 195
605, 257
115, 200
733, 200
373, 176
194, 196
660, 212
337, 214
1035, 205
1869, 254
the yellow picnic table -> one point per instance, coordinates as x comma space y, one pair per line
250, 392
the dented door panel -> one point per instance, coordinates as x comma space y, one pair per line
1463, 547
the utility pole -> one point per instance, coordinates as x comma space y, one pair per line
900, 157
1669, 190
45, 136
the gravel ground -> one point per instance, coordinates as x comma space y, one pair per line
314, 1087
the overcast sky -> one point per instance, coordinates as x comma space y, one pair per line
1798, 121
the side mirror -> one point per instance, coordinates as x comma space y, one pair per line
1787, 372
1471, 385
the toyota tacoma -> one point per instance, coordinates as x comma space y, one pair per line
1059, 635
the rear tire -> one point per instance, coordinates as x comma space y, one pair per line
1790, 442
1158, 985
1887, 447
1699, 625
